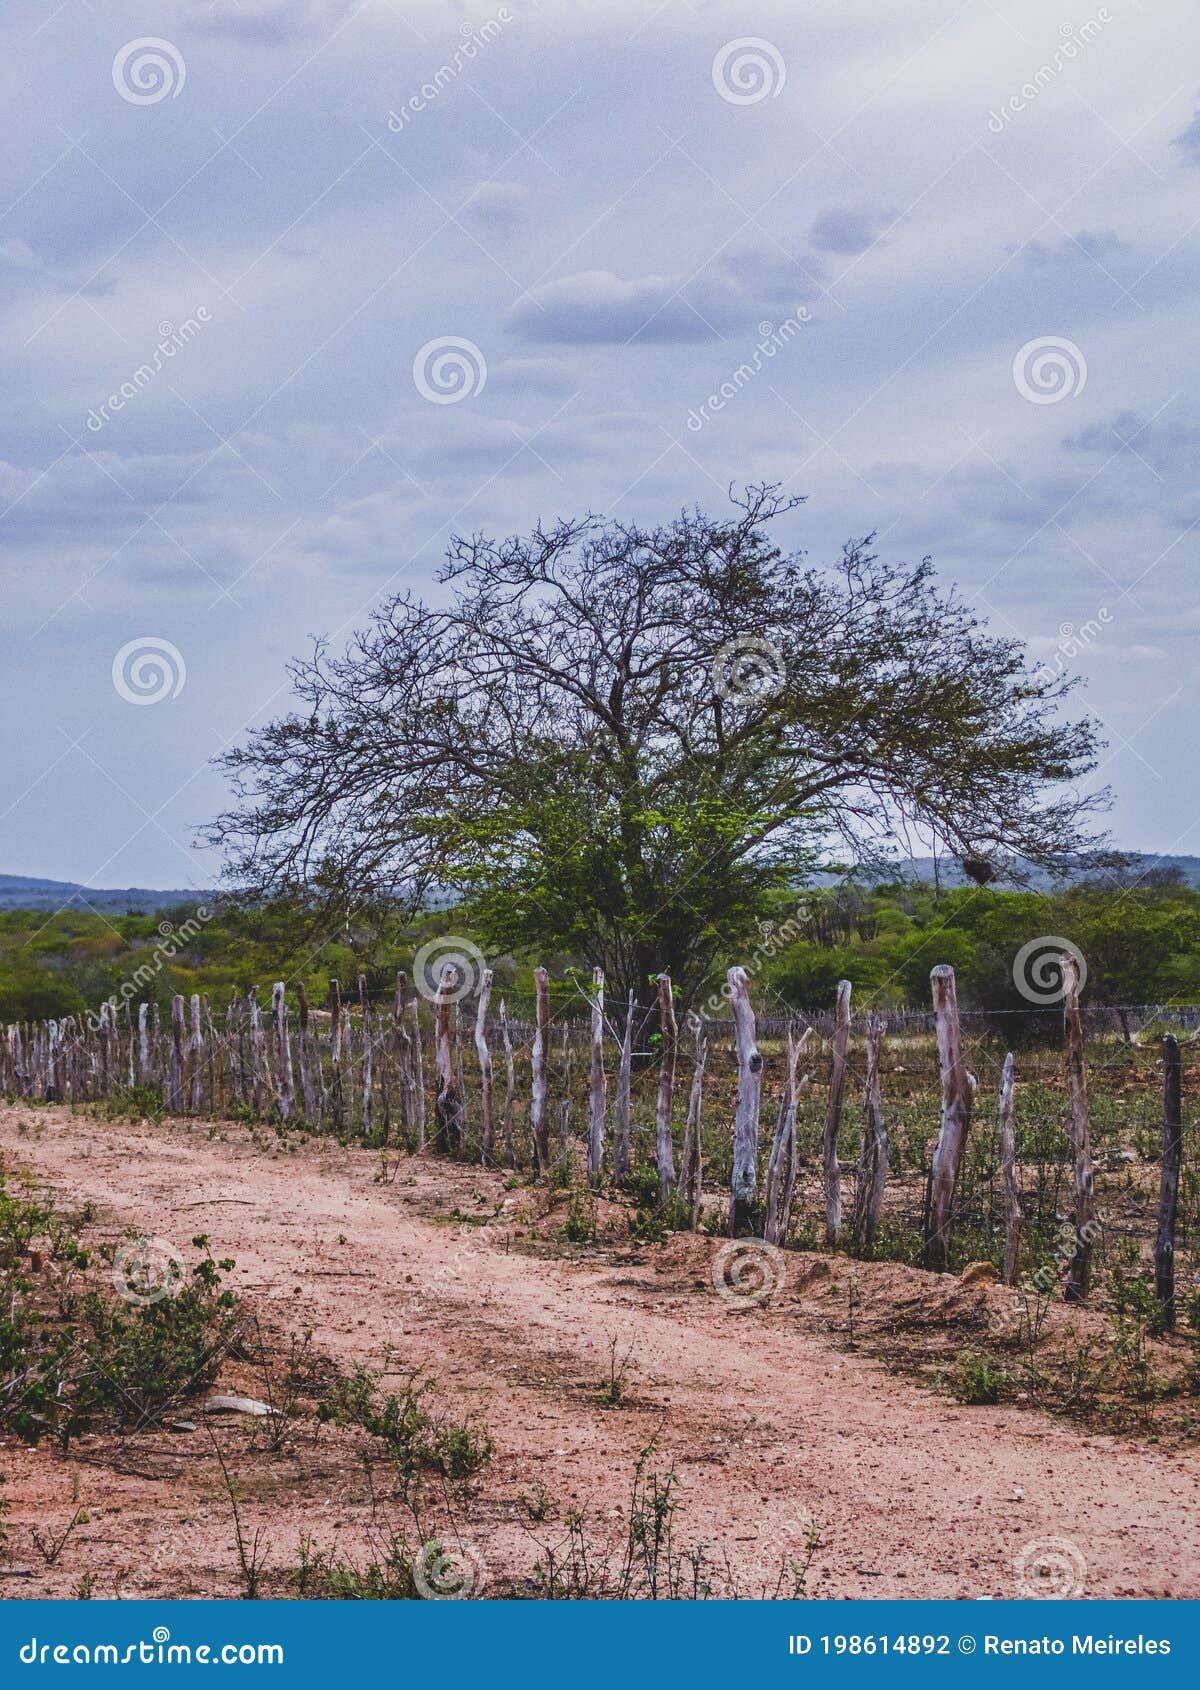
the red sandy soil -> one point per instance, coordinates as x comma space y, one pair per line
766, 1417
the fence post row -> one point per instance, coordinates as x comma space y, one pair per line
196, 1068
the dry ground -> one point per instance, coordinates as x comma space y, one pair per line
765, 1414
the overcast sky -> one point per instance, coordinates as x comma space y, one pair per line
245, 221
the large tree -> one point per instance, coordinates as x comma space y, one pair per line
619, 742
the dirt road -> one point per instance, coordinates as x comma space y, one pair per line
766, 1418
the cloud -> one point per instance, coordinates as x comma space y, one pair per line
497, 207
545, 376
1099, 244
597, 307
845, 231
16, 255
1189, 140
275, 22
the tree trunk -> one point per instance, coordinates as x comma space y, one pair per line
957, 1095
487, 1104
175, 1103
368, 1058
335, 1054
1008, 1176
597, 1084
621, 1104
307, 1089
664, 1147
831, 1172
744, 1185
691, 1164
418, 1073
537, 1108
871, 1180
1168, 1180
1079, 1272
564, 1110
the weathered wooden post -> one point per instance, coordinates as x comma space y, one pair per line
367, 1073
285, 1092
144, 1071
781, 1166
196, 1055
1008, 1176
258, 1073
308, 1090
447, 1109
1079, 1271
404, 1056
335, 1054
1168, 1180
691, 1164
871, 1179
597, 1084
668, 1031
957, 1095
744, 1184
419, 1072
564, 1107
510, 1089
176, 1099
622, 1109
486, 1094
831, 1171
537, 1107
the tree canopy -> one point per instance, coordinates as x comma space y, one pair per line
621, 742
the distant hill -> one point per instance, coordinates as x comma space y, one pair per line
1132, 866
21, 892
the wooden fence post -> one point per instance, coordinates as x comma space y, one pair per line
744, 1184
1008, 1176
781, 1168
871, 1179
447, 1109
957, 1095
335, 1054
487, 1106
597, 1084
308, 1091
1168, 1180
1079, 1272
537, 1106
418, 1072
367, 1074
664, 1147
196, 1055
621, 1103
831, 1172
564, 1106
510, 1089
175, 1103
144, 1071
283, 1052
691, 1163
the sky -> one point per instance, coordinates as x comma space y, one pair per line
359, 276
